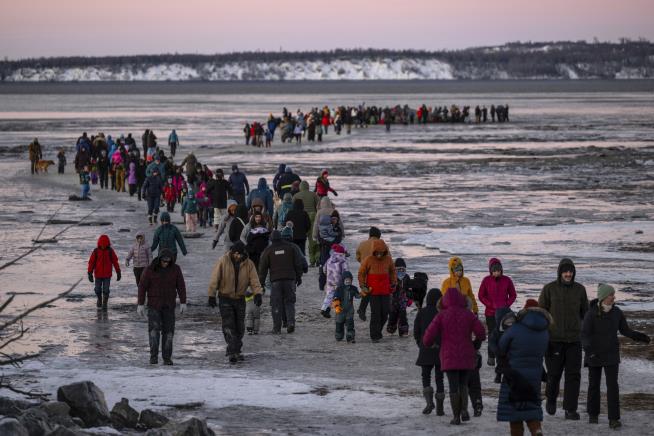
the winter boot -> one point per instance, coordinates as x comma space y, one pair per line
240, 357
105, 302
99, 303
465, 416
428, 393
250, 331
455, 401
440, 398
614, 424
168, 362
550, 406
326, 313
233, 358
150, 219
155, 218
154, 360
491, 361
290, 329
593, 419
572, 415
478, 407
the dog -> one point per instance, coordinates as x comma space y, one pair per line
42, 166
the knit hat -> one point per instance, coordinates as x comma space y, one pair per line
165, 217
338, 248
531, 303
238, 247
603, 291
275, 235
234, 167
287, 233
400, 263
324, 172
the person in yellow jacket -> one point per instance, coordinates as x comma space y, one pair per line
231, 277
458, 281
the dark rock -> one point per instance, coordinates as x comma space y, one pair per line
63, 431
191, 235
14, 408
78, 198
123, 415
95, 223
86, 401
11, 426
56, 221
190, 427
58, 413
36, 422
124, 230
150, 419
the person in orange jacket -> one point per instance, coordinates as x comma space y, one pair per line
457, 280
378, 278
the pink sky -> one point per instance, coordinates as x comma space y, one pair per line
30, 28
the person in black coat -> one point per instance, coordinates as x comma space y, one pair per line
599, 338
428, 356
301, 224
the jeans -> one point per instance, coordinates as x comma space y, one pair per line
161, 327
232, 312
380, 306
282, 300
102, 286
85, 190
612, 390
560, 357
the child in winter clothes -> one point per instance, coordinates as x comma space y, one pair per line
504, 319
61, 159
84, 179
428, 356
496, 291
330, 231
190, 211
141, 254
343, 304
102, 259
132, 177
399, 301
335, 266
599, 338
455, 324
170, 195
204, 205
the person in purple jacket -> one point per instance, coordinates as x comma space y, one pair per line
495, 292
455, 324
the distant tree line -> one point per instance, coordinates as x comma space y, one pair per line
519, 59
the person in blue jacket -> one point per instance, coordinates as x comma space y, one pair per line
239, 183
264, 193
524, 344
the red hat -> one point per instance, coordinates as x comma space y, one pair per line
531, 303
338, 248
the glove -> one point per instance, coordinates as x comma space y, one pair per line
140, 310
127, 263
336, 304
298, 281
212, 302
213, 244
182, 309
91, 277
641, 337
118, 276
477, 344
335, 194
258, 300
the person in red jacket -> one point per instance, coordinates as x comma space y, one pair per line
455, 324
495, 292
102, 259
322, 185
378, 278
161, 282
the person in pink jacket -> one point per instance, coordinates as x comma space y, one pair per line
495, 292
455, 324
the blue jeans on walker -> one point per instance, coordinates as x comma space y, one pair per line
85, 190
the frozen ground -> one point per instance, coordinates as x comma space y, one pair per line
437, 190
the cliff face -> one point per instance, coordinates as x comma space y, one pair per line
555, 60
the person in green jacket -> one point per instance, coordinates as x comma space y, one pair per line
168, 236
567, 302
310, 200
190, 211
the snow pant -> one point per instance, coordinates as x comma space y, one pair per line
191, 222
490, 326
380, 306
252, 316
161, 326
329, 297
102, 286
612, 391
314, 249
457, 379
517, 429
560, 357
438, 377
282, 300
301, 243
474, 385
397, 318
153, 204
85, 190
132, 189
232, 312
239, 197
137, 274
170, 206
341, 328
33, 166
120, 180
